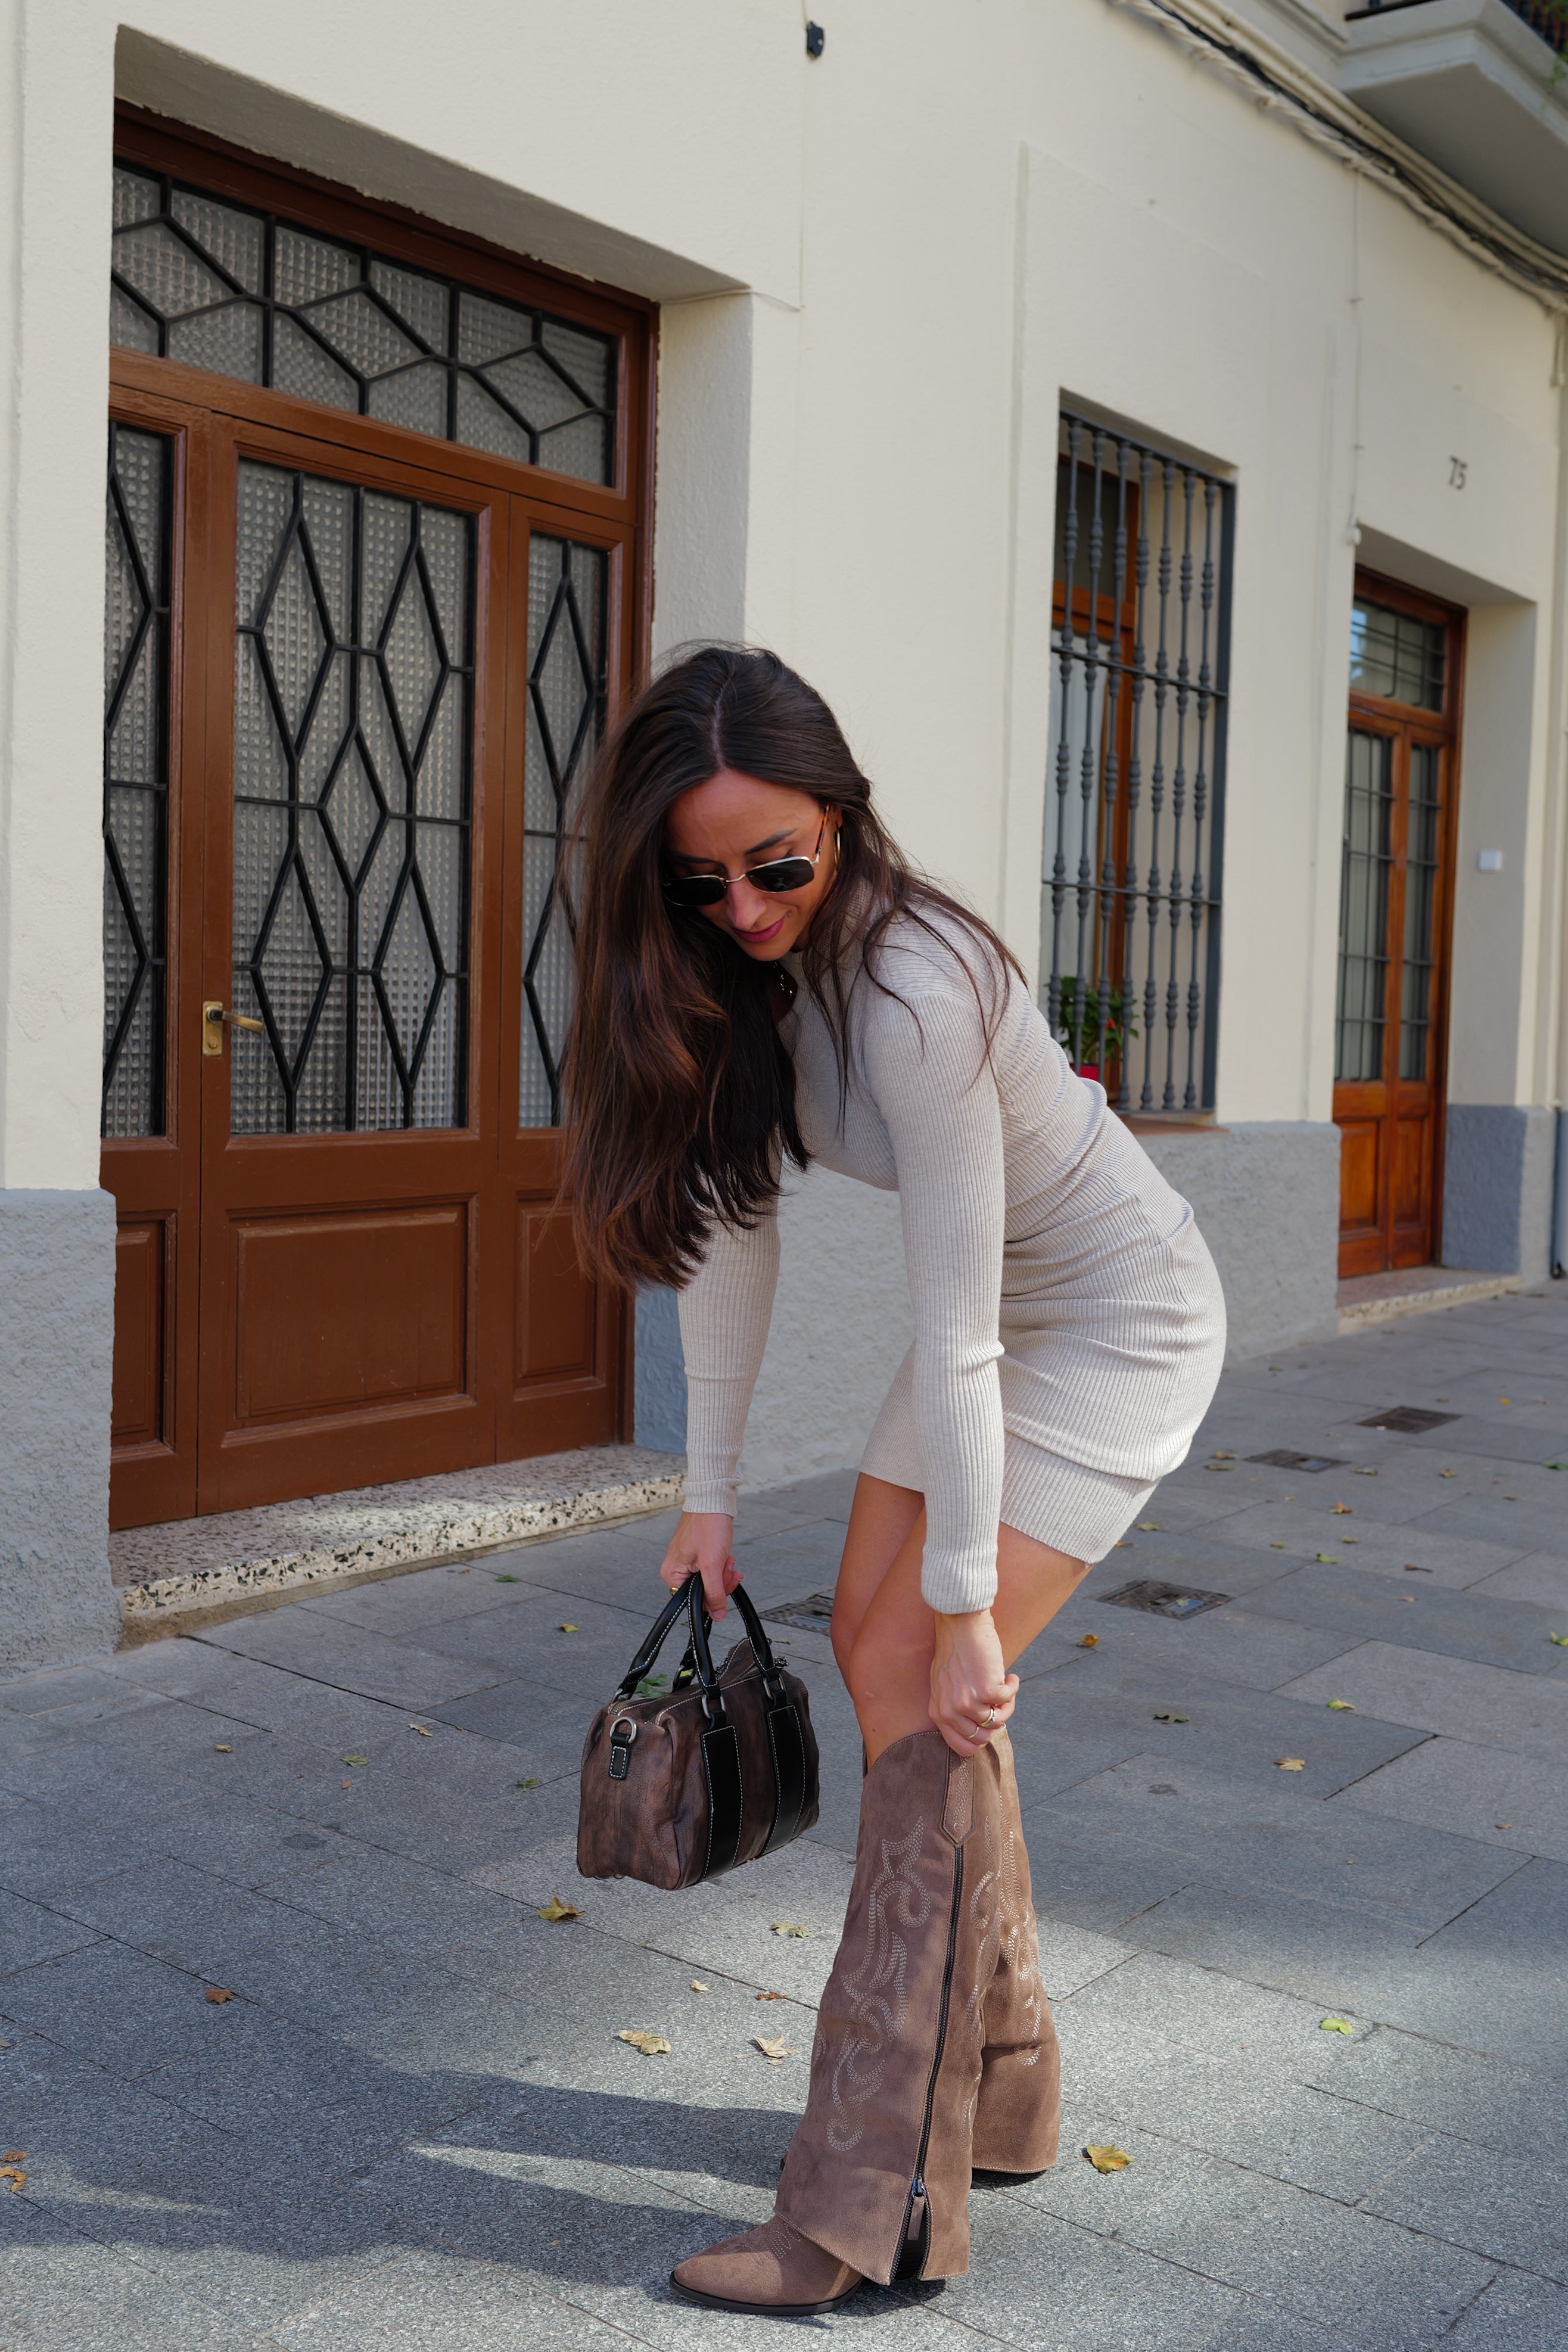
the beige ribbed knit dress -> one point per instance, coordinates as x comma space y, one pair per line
1069, 1321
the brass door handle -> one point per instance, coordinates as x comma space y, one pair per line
213, 1018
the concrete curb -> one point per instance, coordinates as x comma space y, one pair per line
411, 1534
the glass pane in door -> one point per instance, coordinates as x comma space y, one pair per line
1420, 901
566, 642
352, 793
1364, 907
135, 779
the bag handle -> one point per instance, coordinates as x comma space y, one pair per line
687, 1598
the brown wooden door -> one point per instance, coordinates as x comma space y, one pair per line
353, 678
351, 907
1395, 895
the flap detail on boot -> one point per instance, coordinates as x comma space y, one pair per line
958, 1806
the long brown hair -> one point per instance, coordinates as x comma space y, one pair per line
679, 1095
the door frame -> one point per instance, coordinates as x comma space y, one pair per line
1407, 723
199, 410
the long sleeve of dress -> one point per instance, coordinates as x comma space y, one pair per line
935, 1088
725, 1310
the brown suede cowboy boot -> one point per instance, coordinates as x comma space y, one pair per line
876, 2183
1017, 2118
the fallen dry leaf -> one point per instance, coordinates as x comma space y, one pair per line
1220, 1455
1342, 1706
353, 1759
775, 2049
1561, 1640
1349, 1539
789, 1928
1290, 1763
1088, 1642
1411, 1569
346, 1784
1341, 1510
1276, 1547
697, 1985
1168, 1718
1502, 1825
219, 1993
422, 1729
1108, 2159
1557, 1466
531, 1782
222, 1748
1335, 2026
652, 2045
15, 2155
651, 1684
1367, 1472
1447, 1473
509, 1580
555, 1909
15, 2175
770, 1995
568, 1629
1151, 1526
1332, 1557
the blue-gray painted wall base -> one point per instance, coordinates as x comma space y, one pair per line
659, 1394
1267, 1197
1497, 1188
57, 1342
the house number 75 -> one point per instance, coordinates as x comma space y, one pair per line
1457, 469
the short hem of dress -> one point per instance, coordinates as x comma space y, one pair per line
1068, 1506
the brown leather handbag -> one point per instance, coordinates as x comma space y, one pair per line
716, 1770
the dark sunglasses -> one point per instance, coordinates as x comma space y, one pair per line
778, 874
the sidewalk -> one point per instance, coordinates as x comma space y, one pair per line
413, 2123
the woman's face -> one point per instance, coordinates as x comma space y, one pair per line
734, 822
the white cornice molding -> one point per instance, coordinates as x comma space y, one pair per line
1311, 104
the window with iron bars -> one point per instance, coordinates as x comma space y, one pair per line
1135, 793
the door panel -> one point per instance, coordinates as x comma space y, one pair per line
1394, 896
153, 750
138, 1417
349, 1310
566, 1357
347, 1154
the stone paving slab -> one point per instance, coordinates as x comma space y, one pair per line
1525, 1713
413, 2122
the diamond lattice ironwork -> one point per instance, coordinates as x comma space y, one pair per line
566, 642
135, 780
351, 915
219, 286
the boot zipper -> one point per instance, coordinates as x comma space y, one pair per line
917, 2185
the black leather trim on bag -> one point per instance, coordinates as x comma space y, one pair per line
789, 1774
722, 1770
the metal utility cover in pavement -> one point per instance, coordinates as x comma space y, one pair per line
1283, 1459
1164, 1599
812, 1616
1409, 1419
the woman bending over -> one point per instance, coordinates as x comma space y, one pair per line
763, 978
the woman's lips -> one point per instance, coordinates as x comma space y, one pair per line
759, 938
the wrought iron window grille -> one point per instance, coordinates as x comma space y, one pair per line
352, 807
567, 692
135, 779
1134, 804
250, 294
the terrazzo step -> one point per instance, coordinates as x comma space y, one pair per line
169, 1574
1384, 1298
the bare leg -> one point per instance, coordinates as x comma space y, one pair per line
884, 1635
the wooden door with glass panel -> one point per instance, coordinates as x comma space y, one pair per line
1396, 896
375, 577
